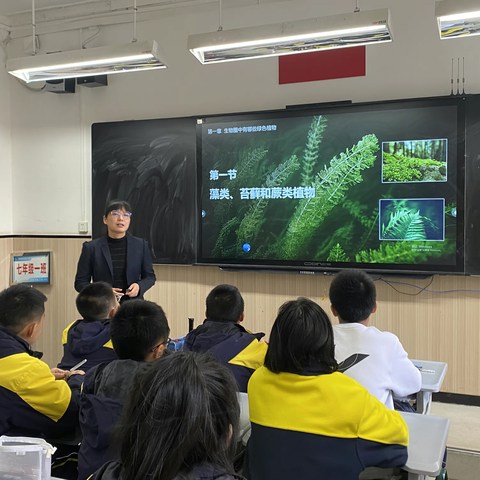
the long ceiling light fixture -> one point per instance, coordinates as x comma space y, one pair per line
131, 57
338, 31
458, 18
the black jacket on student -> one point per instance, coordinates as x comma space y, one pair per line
95, 263
113, 471
83, 340
234, 346
104, 393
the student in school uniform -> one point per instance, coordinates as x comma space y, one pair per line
89, 338
375, 359
179, 424
223, 335
139, 332
308, 420
34, 400
119, 259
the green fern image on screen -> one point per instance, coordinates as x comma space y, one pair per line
330, 181
412, 219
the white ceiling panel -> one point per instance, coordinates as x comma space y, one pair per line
10, 7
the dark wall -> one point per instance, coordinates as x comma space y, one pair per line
151, 164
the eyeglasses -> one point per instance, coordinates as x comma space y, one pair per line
166, 342
118, 213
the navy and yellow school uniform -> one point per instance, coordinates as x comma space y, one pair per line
104, 393
315, 425
234, 346
87, 340
32, 402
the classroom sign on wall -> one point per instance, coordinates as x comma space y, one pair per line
31, 268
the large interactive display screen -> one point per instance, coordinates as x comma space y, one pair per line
375, 186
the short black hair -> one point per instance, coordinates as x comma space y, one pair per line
301, 338
138, 327
353, 295
117, 205
19, 306
224, 304
95, 301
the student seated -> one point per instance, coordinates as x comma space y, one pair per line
308, 420
373, 358
89, 338
222, 335
139, 332
33, 402
179, 423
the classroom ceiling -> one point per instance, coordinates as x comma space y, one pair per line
54, 16
10, 7
13, 7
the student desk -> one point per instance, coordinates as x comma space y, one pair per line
433, 374
244, 426
428, 439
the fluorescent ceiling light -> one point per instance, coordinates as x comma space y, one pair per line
458, 18
132, 57
338, 31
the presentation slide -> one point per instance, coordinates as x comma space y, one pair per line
352, 186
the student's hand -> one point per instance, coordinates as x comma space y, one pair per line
263, 340
118, 293
133, 290
60, 374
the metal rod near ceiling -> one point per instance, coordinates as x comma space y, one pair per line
220, 26
34, 26
134, 20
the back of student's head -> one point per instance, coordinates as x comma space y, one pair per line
182, 412
137, 329
353, 295
224, 304
96, 301
21, 305
301, 337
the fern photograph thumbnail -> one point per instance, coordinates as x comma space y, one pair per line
410, 220
414, 161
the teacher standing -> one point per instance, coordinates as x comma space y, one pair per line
119, 259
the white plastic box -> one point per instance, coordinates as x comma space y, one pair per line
24, 458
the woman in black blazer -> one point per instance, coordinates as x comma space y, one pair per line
119, 259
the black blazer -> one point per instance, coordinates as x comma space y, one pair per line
95, 263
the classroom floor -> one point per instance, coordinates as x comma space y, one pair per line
464, 425
463, 440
